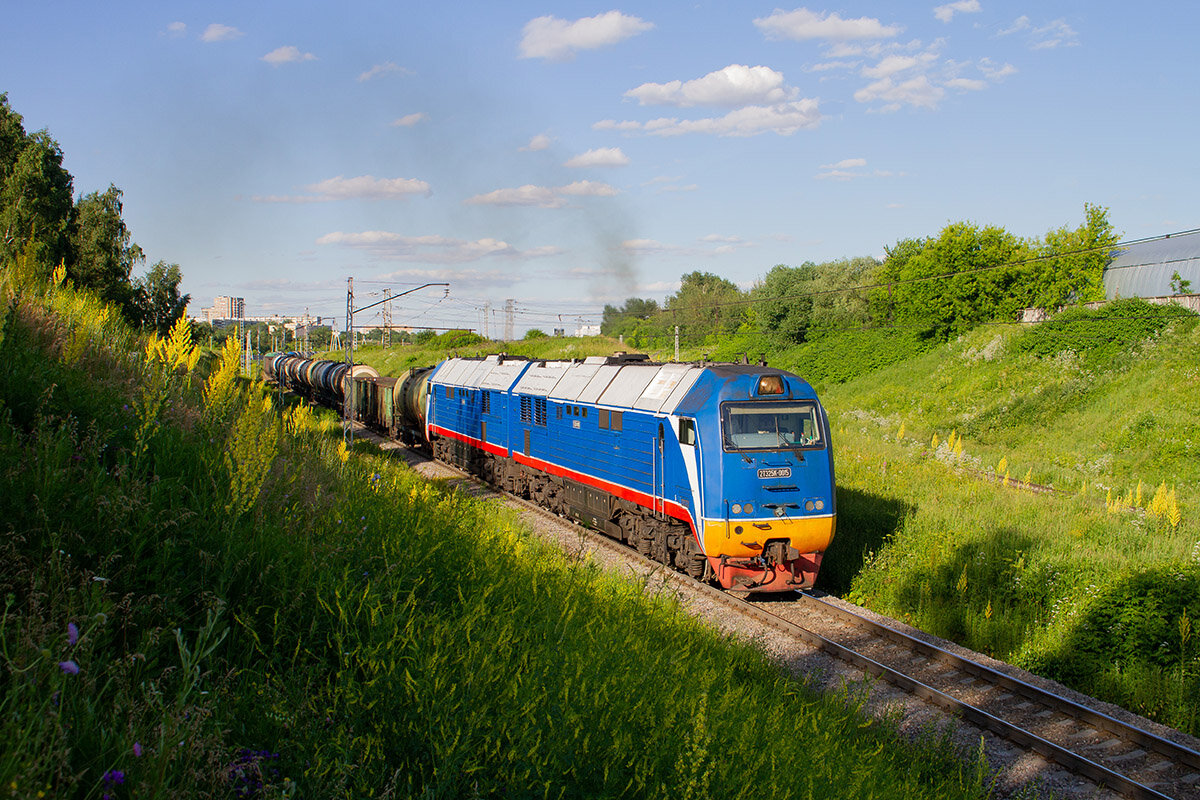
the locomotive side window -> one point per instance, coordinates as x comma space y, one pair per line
616, 420
687, 432
604, 419
770, 426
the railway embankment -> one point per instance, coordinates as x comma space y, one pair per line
206, 593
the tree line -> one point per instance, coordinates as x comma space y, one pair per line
936, 287
44, 226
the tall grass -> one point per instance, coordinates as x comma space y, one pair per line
203, 597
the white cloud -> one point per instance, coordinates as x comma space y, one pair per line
364, 187
918, 76
558, 39
600, 157
802, 25
653, 247
1021, 23
966, 84
408, 120
1056, 34
542, 196
783, 119
217, 32
994, 73
527, 195
916, 91
613, 125
588, 189
734, 86
1051, 35
537, 143
894, 64
852, 169
946, 13
288, 54
432, 249
386, 68
177, 29
846, 163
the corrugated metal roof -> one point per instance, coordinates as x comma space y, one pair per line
1145, 269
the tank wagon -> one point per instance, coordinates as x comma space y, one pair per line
321, 381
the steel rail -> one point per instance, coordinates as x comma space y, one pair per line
1097, 719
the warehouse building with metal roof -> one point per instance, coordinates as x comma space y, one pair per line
1146, 269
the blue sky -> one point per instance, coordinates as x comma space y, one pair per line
569, 155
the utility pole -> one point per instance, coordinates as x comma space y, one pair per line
241, 324
487, 314
676, 342
387, 318
347, 427
508, 319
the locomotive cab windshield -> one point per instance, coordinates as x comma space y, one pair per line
781, 425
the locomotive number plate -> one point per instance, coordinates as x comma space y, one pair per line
775, 472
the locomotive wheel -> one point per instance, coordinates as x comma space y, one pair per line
690, 559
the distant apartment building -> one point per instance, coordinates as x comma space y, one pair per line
224, 308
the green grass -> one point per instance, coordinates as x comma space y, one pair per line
1071, 584
205, 595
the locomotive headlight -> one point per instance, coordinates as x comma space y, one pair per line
809, 505
749, 508
736, 508
820, 505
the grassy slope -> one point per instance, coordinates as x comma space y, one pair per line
1069, 584
204, 597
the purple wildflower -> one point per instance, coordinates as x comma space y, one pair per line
114, 777
69, 667
137, 749
72, 633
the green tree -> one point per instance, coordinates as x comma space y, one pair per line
35, 193
103, 255
706, 305
946, 285
785, 303
1179, 284
629, 318
1070, 264
536, 333
158, 298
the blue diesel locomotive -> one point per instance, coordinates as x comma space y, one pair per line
723, 471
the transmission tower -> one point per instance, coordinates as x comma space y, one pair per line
509, 312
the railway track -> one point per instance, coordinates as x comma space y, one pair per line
1108, 752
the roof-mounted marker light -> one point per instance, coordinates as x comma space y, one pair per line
770, 384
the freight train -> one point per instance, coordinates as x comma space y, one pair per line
722, 471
